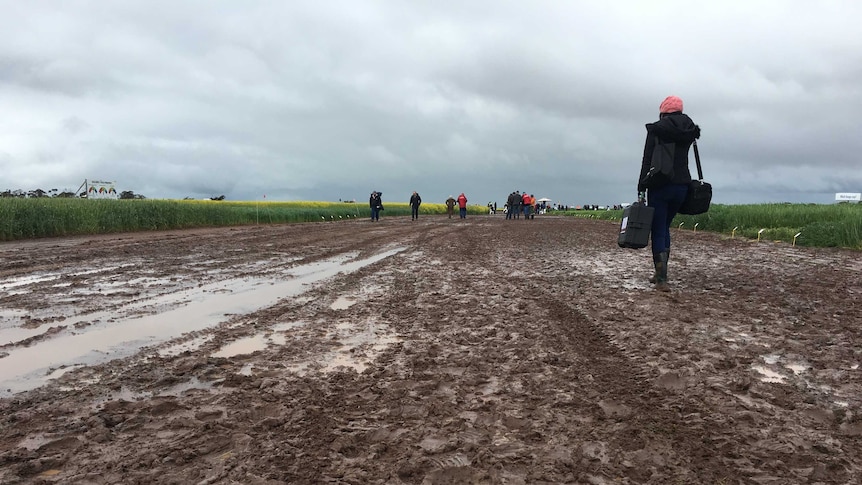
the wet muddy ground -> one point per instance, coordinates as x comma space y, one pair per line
428, 352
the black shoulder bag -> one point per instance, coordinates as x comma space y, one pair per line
699, 192
661, 165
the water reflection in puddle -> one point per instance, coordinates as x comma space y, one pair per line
34, 442
189, 346
62, 370
183, 387
347, 357
771, 359
283, 327
359, 346
796, 368
18, 334
8, 314
107, 336
42, 278
769, 375
258, 342
342, 303
26, 280
123, 394
248, 345
126, 394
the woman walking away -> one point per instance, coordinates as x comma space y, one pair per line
672, 127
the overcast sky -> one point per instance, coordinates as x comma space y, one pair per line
328, 100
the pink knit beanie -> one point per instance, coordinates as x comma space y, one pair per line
671, 104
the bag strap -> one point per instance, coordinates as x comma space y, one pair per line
697, 161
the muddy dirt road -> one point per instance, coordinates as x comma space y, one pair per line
428, 352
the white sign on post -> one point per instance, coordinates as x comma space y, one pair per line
848, 196
100, 189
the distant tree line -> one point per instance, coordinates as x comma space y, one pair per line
39, 193
128, 194
34, 194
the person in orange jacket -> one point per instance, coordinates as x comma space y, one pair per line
462, 205
525, 199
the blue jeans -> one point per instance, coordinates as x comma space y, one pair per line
414, 211
375, 214
666, 202
526, 212
463, 213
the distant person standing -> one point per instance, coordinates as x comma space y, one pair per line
376, 204
450, 206
510, 202
525, 201
518, 207
415, 202
462, 205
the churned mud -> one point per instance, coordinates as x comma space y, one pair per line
428, 352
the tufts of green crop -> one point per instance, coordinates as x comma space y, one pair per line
816, 225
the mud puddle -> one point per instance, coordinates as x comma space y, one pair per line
101, 337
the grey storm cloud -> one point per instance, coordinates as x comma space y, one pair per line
328, 100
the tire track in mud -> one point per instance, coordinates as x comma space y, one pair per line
651, 426
614, 382
671, 426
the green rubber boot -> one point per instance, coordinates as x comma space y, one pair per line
661, 272
656, 259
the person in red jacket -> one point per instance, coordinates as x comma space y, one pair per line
525, 199
462, 205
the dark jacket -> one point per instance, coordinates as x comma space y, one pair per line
671, 127
375, 201
415, 200
514, 200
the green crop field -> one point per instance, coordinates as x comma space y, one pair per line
835, 225
26, 218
